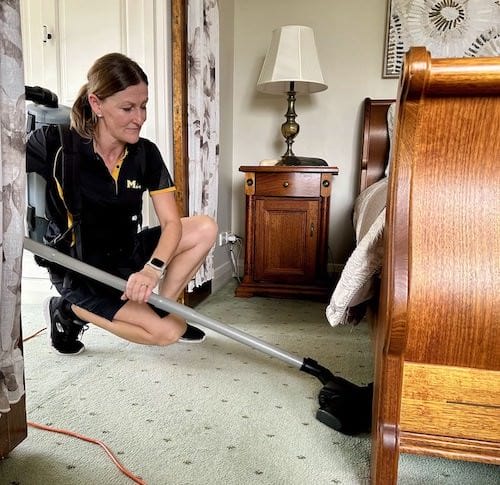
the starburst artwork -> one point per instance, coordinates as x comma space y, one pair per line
447, 28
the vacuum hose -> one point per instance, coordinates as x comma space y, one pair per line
41, 96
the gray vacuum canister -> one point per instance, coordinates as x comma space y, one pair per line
38, 116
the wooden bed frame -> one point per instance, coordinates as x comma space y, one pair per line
437, 338
374, 141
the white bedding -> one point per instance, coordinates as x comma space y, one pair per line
355, 285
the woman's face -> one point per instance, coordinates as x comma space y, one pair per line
121, 115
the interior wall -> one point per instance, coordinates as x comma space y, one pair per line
139, 29
350, 41
349, 36
222, 264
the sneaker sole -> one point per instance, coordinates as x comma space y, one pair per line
67, 355
186, 341
46, 312
46, 317
183, 340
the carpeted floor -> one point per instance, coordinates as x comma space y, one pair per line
215, 413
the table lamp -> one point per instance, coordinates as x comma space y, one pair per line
291, 66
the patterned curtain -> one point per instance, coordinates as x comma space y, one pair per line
12, 203
203, 115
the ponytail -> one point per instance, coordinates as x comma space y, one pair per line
83, 119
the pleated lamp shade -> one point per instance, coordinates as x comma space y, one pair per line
291, 56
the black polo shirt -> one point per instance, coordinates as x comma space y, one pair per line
111, 203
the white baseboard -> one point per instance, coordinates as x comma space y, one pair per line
222, 275
31, 268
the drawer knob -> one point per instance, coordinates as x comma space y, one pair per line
249, 182
326, 183
285, 184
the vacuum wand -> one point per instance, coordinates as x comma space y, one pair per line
344, 406
158, 301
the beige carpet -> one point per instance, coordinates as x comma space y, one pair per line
215, 413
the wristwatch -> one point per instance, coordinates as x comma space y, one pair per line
157, 264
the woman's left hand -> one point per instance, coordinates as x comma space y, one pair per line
140, 285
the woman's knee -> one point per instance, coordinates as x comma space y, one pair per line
208, 227
204, 228
168, 333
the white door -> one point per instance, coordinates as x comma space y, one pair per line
62, 38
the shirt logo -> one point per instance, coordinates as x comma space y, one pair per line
132, 184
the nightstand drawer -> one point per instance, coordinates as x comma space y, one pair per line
288, 184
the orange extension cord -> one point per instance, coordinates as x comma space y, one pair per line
115, 460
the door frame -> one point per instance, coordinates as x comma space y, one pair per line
179, 104
178, 16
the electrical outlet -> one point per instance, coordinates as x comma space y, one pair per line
223, 238
226, 237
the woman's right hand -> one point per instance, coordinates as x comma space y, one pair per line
140, 285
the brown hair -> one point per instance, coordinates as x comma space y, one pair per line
109, 74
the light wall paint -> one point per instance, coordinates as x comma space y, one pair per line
222, 263
350, 37
350, 41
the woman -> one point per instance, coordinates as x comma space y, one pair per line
115, 167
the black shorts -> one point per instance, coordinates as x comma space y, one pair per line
101, 299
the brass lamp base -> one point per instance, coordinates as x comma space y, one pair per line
290, 130
293, 160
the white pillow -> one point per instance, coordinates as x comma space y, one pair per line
390, 130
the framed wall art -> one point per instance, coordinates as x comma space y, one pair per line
447, 28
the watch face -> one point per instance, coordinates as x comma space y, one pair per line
157, 262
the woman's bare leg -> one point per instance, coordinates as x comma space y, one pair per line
137, 322
198, 237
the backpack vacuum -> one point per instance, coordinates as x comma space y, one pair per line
45, 110
344, 406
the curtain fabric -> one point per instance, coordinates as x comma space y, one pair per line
12, 203
203, 116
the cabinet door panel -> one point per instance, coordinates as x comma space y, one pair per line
286, 240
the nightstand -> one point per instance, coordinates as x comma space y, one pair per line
286, 240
